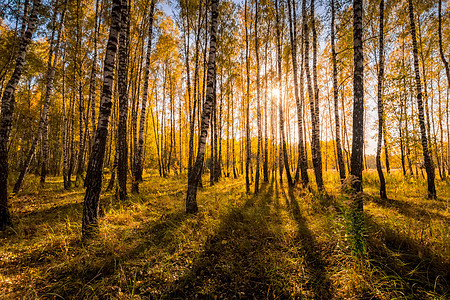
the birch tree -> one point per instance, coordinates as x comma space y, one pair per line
7, 109
195, 175
94, 174
429, 167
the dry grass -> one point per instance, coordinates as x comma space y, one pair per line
283, 243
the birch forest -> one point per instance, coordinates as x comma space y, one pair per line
224, 149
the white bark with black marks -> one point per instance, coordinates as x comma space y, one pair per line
195, 174
138, 168
43, 122
7, 110
429, 167
358, 99
340, 157
94, 174
380, 103
122, 78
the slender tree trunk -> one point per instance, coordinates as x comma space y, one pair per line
186, 36
194, 177
112, 179
72, 152
311, 97
65, 121
258, 104
447, 72
51, 67
441, 131
302, 164
441, 51
380, 102
138, 168
233, 151
247, 123
448, 135
95, 167
358, 101
196, 98
266, 139
122, 144
7, 111
340, 158
427, 157
386, 150
79, 70
212, 168
219, 154
401, 135
283, 148
317, 158
228, 128
93, 76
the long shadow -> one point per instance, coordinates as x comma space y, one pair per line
72, 277
241, 260
27, 224
74, 280
320, 283
423, 271
409, 209
149, 240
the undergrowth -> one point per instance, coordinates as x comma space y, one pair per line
282, 243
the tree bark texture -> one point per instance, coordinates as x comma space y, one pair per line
95, 167
195, 175
7, 105
358, 100
380, 103
429, 167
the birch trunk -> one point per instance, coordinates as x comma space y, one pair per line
258, 105
340, 158
122, 144
380, 103
7, 111
283, 148
317, 158
51, 67
95, 167
195, 175
65, 121
302, 165
358, 101
92, 79
426, 155
247, 123
138, 159
82, 137
441, 50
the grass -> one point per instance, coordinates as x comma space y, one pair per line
283, 243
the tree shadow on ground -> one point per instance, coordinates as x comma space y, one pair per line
409, 209
140, 249
319, 282
71, 274
398, 256
242, 259
412, 268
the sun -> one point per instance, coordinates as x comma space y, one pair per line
275, 92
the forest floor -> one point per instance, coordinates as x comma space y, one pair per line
283, 243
